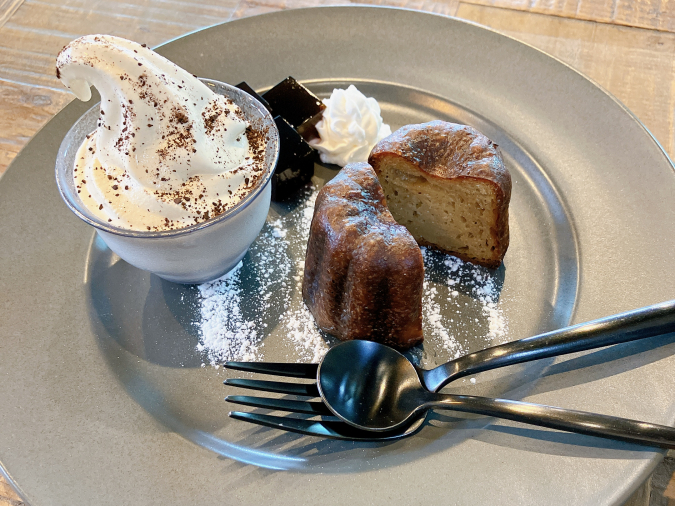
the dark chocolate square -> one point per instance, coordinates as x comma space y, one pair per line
293, 102
245, 87
295, 167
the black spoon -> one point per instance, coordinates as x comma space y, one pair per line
373, 387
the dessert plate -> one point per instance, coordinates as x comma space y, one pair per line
106, 400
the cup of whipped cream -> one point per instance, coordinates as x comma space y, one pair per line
173, 172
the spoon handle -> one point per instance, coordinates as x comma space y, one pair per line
621, 328
610, 427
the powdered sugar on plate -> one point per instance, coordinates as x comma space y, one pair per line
263, 293
261, 300
460, 306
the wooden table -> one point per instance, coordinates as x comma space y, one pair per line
626, 46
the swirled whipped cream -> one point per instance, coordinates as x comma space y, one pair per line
167, 152
350, 127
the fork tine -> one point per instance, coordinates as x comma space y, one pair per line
310, 408
280, 387
323, 429
277, 369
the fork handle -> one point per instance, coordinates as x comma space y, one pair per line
581, 422
621, 328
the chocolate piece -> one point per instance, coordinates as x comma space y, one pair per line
295, 167
308, 128
245, 87
296, 104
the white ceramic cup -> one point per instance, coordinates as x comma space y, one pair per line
194, 254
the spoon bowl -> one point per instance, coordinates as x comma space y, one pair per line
371, 386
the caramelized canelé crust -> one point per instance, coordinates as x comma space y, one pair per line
448, 185
363, 271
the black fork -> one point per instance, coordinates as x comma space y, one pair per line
328, 426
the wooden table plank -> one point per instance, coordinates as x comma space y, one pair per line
248, 8
7, 9
23, 110
31, 39
651, 14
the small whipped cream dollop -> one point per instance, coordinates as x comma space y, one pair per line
350, 127
167, 152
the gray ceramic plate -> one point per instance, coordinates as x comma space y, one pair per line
103, 398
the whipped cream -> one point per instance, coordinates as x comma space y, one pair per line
350, 127
167, 152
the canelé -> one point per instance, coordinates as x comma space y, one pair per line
447, 183
363, 271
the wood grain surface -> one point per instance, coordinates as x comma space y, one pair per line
626, 46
